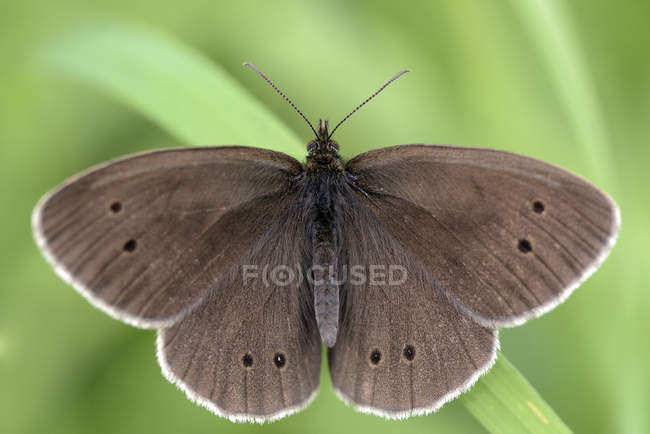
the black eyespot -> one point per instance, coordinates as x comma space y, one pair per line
116, 207
279, 360
130, 245
538, 207
525, 246
375, 357
409, 352
247, 360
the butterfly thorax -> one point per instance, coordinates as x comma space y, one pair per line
323, 153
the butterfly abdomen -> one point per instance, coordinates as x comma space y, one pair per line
325, 245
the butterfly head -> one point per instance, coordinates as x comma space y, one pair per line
323, 153
323, 144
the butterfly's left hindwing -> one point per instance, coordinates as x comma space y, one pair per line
251, 350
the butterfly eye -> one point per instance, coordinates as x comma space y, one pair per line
247, 360
538, 207
375, 357
525, 246
130, 245
116, 207
280, 360
409, 352
311, 147
334, 146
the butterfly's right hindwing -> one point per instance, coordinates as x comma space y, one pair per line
403, 348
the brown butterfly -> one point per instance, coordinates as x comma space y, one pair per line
403, 261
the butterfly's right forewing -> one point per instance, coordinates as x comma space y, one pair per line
503, 236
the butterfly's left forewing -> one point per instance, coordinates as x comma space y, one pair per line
143, 237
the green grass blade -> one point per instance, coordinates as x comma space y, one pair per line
171, 84
552, 31
504, 402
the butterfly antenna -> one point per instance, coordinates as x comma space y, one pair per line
268, 80
393, 78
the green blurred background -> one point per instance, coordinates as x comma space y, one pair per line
567, 83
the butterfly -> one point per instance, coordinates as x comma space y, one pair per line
403, 261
